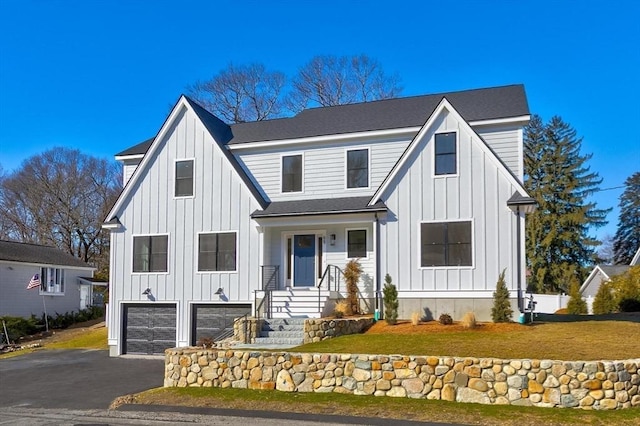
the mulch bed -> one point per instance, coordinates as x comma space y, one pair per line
406, 327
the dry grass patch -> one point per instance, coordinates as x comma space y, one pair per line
588, 340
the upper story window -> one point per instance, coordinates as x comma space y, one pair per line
150, 253
356, 243
184, 178
358, 168
292, 173
445, 244
51, 280
217, 252
446, 162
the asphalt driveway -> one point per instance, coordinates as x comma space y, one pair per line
74, 379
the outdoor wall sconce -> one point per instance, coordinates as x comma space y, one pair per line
219, 292
147, 292
332, 239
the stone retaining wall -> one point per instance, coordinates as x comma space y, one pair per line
600, 385
316, 330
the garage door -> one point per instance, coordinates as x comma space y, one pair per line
149, 329
215, 321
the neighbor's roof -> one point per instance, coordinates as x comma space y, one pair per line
12, 251
613, 270
473, 105
319, 207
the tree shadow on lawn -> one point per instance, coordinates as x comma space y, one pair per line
621, 316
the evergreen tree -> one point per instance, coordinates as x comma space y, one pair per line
604, 303
576, 304
390, 298
501, 310
559, 247
627, 239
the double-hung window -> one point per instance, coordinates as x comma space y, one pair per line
292, 173
184, 178
52, 280
356, 243
358, 168
445, 244
150, 253
217, 252
446, 162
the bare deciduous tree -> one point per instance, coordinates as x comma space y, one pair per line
60, 198
241, 93
333, 80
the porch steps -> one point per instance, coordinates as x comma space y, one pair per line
281, 331
298, 303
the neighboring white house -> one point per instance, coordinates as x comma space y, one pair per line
61, 277
421, 188
603, 273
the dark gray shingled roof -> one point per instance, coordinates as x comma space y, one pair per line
32, 253
613, 270
473, 105
319, 207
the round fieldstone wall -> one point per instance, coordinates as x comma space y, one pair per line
316, 330
603, 385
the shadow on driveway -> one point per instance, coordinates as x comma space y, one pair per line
74, 379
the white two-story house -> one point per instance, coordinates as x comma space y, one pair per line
215, 217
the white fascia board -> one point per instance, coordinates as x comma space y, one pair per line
327, 138
464, 125
180, 106
522, 119
48, 265
124, 158
636, 259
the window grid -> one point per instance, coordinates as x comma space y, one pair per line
184, 178
445, 154
446, 244
358, 168
356, 243
150, 253
217, 252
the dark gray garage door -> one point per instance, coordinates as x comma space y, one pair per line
215, 321
149, 329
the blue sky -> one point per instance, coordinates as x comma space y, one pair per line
101, 76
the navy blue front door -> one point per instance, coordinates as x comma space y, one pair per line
304, 254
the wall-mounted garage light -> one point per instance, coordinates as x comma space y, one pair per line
219, 292
147, 292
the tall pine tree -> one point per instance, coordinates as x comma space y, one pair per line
558, 244
627, 239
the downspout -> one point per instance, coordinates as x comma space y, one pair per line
377, 248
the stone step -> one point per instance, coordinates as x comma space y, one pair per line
298, 334
278, 341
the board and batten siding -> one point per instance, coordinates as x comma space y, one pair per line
324, 167
128, 167
478, 193
221, 203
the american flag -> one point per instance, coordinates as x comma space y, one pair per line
35, 282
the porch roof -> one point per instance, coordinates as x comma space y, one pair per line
324, 206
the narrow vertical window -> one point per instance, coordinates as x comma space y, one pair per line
292, 173
358, 168
184, 178
445, 154
356, 243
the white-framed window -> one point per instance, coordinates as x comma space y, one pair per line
184, 172
357, 168
446, 244
150, 253
292, 171
217, 252
356, 243
446, 154
52, 280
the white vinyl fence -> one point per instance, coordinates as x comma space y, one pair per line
550, 303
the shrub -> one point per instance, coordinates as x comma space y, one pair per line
626, 288
18, 327
468, 320
501, 310
341, 308
604, 302
576, 304
629, 305
415, 318
445, 319
390, 299
352, 273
